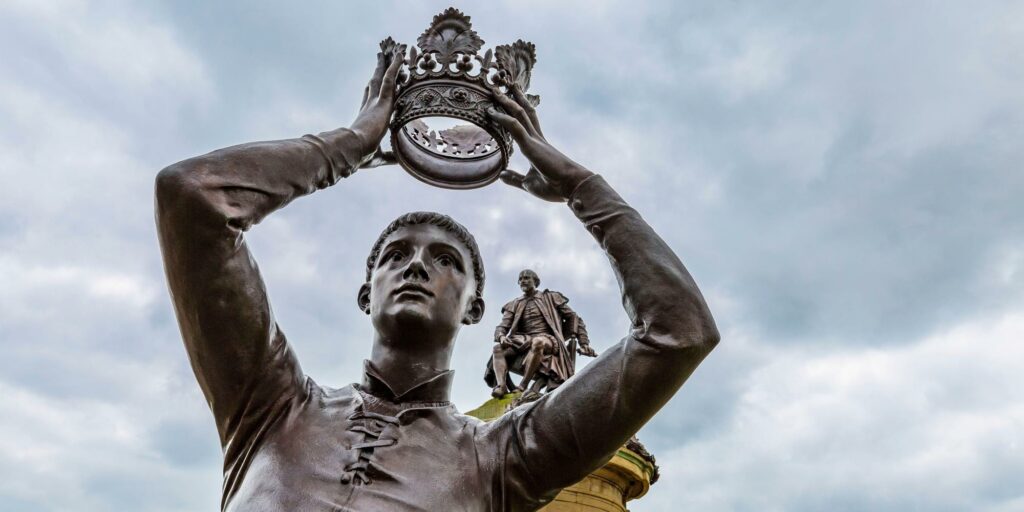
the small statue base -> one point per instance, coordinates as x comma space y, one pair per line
627, 476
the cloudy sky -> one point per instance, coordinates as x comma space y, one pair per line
844, 181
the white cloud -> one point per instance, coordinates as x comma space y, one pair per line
936, 425
757, 61
115, 44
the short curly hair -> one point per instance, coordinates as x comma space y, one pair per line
434, 219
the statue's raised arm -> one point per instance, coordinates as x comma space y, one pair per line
574, 429
204, 204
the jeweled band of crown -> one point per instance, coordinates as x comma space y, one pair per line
446, 77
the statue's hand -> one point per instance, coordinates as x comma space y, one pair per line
552, 176
371, 123
586, 350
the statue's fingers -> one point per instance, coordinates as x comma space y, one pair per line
511, 124
387, 87
517, 111
378, 73
380, 159
531, 111
388, 158
513, 178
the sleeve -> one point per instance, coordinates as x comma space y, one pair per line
567, 434
240, 357
507, 315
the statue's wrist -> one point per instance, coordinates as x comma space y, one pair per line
353, 143
341, 150
574, 177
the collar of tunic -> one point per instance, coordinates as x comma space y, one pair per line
435, 388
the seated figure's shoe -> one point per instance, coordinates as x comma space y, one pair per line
498, 391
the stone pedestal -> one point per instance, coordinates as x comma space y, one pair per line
626, 477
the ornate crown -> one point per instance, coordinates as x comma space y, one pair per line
447, 78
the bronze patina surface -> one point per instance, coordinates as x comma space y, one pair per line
394, 441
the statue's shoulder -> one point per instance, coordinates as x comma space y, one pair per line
512, 304
556, 297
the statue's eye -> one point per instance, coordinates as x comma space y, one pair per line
394, 256
447, 260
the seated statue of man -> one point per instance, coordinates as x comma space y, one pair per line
395, 442
538, 338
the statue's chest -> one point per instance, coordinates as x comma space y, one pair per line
339, 454
532, 321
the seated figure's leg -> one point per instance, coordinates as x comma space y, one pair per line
499, 360
538, 346
503, 355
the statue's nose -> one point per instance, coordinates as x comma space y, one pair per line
416, 271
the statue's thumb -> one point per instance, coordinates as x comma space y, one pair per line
513, 178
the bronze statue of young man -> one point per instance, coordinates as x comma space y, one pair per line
538, 337
395, 442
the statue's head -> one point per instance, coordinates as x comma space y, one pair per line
528, 281
424, 272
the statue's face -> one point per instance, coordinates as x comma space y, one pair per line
527, 283
423, 279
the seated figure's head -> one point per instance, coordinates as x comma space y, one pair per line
424, 272
528, 281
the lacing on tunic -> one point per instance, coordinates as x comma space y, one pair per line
372, 426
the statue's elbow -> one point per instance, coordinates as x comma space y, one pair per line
180, 187
688, 331
703, 329
712, 337
173, 183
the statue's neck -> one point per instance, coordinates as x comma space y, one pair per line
404, 364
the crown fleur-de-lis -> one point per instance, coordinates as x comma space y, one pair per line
516, 60
450, 33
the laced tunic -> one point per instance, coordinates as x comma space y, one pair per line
358, 447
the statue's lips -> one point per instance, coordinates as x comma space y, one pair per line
412, 289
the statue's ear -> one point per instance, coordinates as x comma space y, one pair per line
363, 299
474, 312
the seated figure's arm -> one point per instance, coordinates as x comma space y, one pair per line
572, 431
575, 324
203, 205
506, 323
